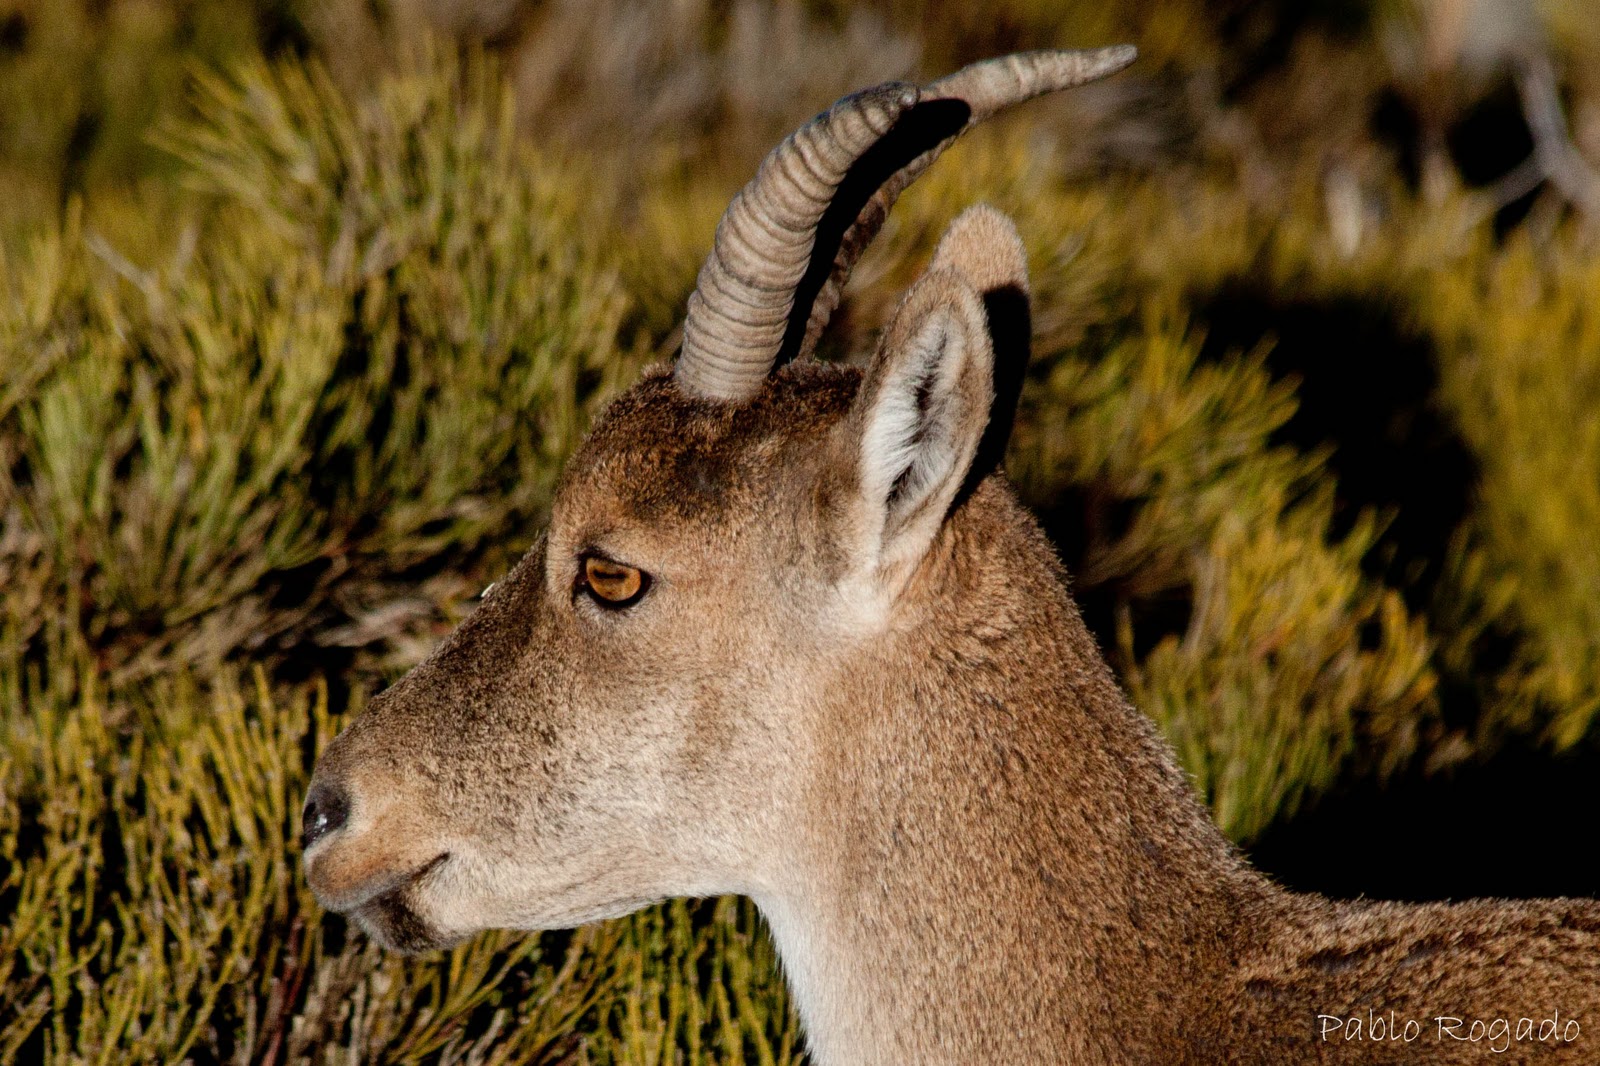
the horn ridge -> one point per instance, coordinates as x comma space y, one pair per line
789, 239
763, 245
987, 87
919, 130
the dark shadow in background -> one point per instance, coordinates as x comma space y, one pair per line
1514, 825
1519, 824
1367, 387
1485, 143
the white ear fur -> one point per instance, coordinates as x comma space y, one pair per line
920, 416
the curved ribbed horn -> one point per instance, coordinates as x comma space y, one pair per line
788, 241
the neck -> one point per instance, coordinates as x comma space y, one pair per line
1008, 853
1001, 862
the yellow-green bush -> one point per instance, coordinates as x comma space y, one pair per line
81, 83
292, 347
368, 349
1525, 383
155, 913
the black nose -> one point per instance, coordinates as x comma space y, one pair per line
326, 810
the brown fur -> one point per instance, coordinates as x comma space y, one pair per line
970, 847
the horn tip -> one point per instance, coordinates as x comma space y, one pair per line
1115, 58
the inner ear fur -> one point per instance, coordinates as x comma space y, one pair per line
920, 416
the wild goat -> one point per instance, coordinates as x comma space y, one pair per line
790, 634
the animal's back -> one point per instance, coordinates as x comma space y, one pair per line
1372, 982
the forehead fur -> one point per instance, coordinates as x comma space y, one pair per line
662, 454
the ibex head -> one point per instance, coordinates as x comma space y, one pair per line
632, 713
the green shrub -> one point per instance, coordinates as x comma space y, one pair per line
1520, 333
371, 350
82, 81
284, 382
155, 912
1273, 687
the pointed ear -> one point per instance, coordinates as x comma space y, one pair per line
983, 244
917, 421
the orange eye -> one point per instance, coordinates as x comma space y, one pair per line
612, 584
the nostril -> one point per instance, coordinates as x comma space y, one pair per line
327, 809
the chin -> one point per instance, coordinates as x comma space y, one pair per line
395, 922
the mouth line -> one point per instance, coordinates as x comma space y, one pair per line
419, 873
395, 922
391, 889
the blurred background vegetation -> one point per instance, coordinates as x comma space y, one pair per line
303, 302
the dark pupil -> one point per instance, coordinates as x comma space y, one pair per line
611, 579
